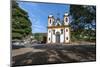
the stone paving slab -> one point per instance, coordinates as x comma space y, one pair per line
53, 54
21, 51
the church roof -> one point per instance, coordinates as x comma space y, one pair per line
50, 15
58, 21
66, 14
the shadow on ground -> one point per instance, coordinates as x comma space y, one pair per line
17, 47
57, 54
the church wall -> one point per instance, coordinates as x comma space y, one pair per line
50, 23
61, 35
67, 35
49, 36
66, 23
57, 30
62, 38
53, 38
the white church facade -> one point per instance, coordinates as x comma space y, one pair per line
58, 31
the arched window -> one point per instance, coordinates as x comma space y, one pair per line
66, 30
53, 31
49, 38
61, 31
66, 19
66, 38
50, 21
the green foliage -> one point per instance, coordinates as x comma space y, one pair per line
83, 16
16, 36
39, 36
21, 25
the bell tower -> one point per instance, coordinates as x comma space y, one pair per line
50, 20
66, 19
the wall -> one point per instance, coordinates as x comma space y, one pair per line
53, 36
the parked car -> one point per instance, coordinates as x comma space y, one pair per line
18, 42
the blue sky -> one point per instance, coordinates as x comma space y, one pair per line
38, 13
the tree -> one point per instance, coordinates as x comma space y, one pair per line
38, 36
83, 21
21, 25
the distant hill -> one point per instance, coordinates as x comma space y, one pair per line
40, 36
44, 34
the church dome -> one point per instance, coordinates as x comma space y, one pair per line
66, 14
50, 15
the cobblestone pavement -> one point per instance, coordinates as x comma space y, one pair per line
48, 54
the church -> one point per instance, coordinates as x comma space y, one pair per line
58, 31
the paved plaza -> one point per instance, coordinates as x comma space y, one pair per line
46, 54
